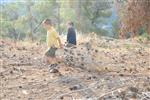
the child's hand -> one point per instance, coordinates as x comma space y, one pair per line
61, 46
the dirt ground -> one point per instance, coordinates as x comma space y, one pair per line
117, 70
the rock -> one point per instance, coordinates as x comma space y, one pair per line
20, 86
25, 92
121, 75
11, 72
75, 87
133, 89
24, 78
23, 48
91, 77
96, 51
14, 55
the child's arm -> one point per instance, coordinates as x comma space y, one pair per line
59, 41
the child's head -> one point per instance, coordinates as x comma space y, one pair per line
47, 23
70, 24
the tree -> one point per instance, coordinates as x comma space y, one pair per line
21, 18
133, 16
96, 11
9, 16
30, 18
115, 28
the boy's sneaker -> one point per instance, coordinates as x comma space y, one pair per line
53, 68
53, 71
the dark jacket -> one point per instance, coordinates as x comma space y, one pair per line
71, 36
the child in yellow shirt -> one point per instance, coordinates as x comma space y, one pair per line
53, 41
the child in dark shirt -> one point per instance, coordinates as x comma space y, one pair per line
71, 35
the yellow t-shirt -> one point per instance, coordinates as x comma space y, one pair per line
52, 38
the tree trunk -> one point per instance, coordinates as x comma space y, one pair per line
30, 17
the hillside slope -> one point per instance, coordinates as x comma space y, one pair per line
97, 69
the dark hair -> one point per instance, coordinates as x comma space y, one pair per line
47, 21
71, 23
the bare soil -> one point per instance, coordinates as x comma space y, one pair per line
111, 70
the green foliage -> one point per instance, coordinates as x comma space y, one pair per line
127, 46
115, 28
145, 35
43, 38
96, 11
19, 19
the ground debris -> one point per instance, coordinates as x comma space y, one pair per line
108, 70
